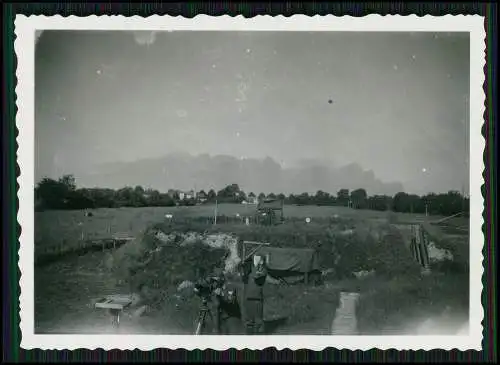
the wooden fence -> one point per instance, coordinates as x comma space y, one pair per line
419, 245
421, 236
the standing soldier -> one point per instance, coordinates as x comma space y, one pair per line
228, 316
254, 296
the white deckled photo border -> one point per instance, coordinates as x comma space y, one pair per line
25, 28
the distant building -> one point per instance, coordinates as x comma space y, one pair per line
252, 200
181, 195
202, 196
186, 195
172, 193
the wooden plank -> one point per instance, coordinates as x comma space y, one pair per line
447, 218
425, 252
434, 232
122, 236
114, 302
109, 306
254, 251
257, 243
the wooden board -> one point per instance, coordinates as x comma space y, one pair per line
122, 237
114, 302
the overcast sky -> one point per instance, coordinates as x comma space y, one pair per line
394, 103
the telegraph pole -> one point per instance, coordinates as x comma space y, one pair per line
466, 134
215, 213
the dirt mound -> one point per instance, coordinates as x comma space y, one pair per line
228, 243
366, 247
159, 262
172, 253
223, 241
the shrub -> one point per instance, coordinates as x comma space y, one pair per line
395, 291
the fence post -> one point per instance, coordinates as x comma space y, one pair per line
418, 237
425, 249
413, 244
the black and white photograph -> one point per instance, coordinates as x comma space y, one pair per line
254, 184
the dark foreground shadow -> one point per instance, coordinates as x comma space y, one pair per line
270, 326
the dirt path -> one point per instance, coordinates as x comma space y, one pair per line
345, 322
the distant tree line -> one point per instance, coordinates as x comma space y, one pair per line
448, 203
64, 194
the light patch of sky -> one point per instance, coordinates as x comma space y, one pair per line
145, 37
298, 82
181, 113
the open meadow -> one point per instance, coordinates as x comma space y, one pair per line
395, 296
60, 232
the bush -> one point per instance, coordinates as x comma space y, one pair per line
368, 248
156, 268
396, 291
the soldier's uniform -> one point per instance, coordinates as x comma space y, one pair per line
228, 314
254, 300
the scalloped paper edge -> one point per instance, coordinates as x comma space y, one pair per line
24, 45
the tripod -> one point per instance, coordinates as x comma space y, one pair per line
202, 315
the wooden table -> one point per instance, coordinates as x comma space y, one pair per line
115, 304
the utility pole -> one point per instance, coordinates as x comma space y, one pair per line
466, 134
215, 212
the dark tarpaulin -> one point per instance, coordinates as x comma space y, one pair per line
270, 204
290, 259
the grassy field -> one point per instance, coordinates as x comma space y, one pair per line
377, 240
397, 293
58, 233
60, 230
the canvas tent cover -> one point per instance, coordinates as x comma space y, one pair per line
290, 259
270, 204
